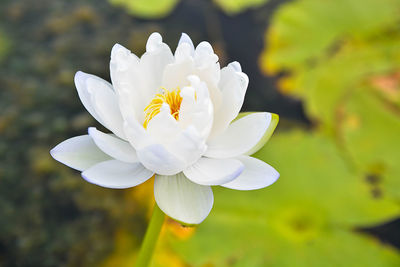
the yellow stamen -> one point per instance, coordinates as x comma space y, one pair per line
172, 98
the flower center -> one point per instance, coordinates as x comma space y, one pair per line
172, 98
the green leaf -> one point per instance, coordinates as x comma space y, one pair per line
147, 8
306, 30
371, 131
307, 218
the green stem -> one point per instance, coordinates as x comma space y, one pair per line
150, 238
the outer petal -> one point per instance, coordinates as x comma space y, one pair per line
214, 171
257, 174
100, 100
233, 85
241, 136
79, 153
113, 146
117, 174
182, 199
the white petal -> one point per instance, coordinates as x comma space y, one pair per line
257, 174
204, 55
79, 153
117, 174
106, 106
163, 127
240, 137
113, 146
84, 94
158, 159
188, 145
233, 86
186, 39
182, 199
175, 74
128, 81
196, 107
153, 62
214, 171
100, 100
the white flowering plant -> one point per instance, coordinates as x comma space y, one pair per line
174, 117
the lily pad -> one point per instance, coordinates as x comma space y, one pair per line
307, 218
371, 131
306, 30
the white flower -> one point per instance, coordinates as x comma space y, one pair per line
171, 116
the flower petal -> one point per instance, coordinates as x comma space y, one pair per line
153, 62
233, 85
157, 158
257, 174
214, 171
117, 174
186, 39
113, 146
100, 100
188, 145
182, 199
196, 107
129, 82
241, 137
84, 92
78, 152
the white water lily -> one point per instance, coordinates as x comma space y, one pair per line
171, 117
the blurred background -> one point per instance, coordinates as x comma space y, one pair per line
329, 68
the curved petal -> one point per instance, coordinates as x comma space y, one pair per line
182, 199
204, 55
241, 137
196, 107
116, 174
233, 86
107, 107
157, 158
100, 100
186, 39
163, 127
84, 92
158, 55
214, 171
257, 174
175, 74
188, 145
128, 81
113, 146
78, 152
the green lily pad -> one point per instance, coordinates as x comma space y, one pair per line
307, 218
371, 132
307, 30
